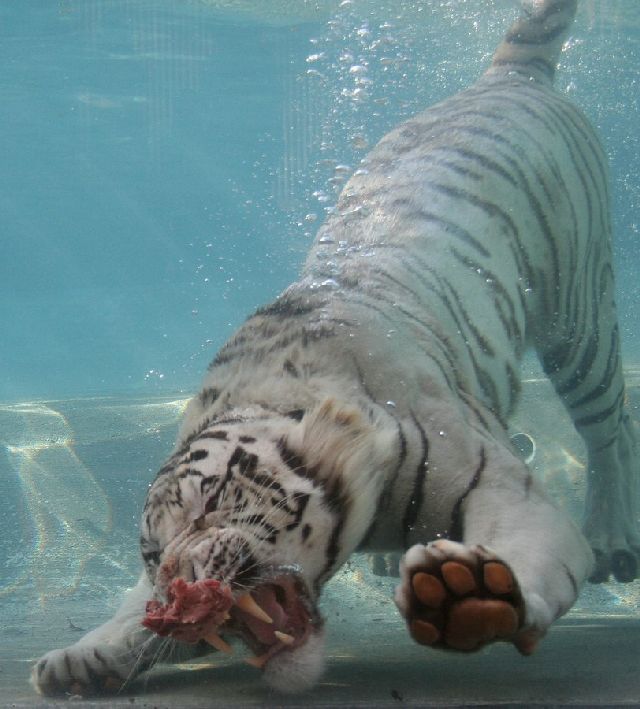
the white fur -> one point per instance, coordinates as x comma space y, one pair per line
299, 670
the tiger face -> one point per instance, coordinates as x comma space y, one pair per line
259, 505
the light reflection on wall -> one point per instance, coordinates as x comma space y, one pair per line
69, 512
67, 518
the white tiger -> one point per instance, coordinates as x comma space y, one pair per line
367, 406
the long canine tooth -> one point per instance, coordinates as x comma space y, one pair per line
248, 605
258, 662
284, 638
219, 644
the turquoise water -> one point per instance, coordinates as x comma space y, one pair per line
165, 165
160, 160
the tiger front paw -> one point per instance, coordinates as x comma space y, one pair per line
461, 598
79, 670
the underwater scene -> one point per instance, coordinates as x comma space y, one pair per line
166, 166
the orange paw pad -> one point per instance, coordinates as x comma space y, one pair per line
428, 589
474, 622
423, 632
498, 578
458, 578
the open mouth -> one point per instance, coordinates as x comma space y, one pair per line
276, 616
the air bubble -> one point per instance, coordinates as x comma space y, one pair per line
329, 283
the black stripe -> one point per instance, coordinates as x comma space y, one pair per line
95, 679
512, 327
483, 379
456, 526
218, 435
444, 346
528, 482
582, 369
152, 557
264, 481
610, 371
481, 341
295, 414
572, 579
247, 464
302, 500
100, 657
288, 305
333, 547
534, 203
471, 402
514, 388
387, 493
415, 500
199, 454
486, 163
293, 461
334, 497
446, 225
603, 415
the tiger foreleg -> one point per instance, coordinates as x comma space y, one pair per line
106, 658
520, 568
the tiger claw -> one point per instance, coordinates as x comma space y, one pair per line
216, 641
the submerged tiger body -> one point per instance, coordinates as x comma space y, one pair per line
367, 407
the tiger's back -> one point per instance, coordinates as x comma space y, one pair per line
499, 208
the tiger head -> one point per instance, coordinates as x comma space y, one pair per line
270, 506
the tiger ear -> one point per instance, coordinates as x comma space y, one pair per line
336, 440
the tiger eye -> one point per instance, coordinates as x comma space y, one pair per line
199, 523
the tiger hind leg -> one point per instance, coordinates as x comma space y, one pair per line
385, 564
612, 505
461, 598
591, 385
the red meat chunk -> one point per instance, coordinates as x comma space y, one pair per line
193, 610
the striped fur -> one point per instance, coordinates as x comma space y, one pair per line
368, 405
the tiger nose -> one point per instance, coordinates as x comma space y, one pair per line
172, 567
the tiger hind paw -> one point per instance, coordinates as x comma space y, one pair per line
461, 598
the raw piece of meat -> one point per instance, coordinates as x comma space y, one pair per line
194, 610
